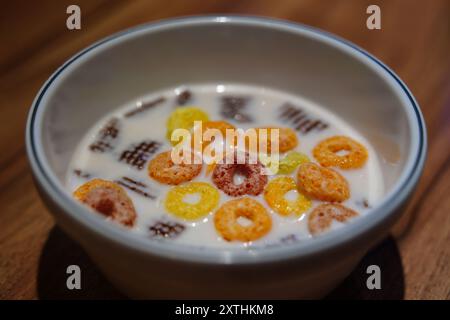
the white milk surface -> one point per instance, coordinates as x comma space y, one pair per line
263, 106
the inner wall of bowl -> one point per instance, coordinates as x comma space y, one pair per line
125, 68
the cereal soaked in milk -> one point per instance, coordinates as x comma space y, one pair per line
121, 145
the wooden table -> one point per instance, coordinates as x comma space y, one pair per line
414, 41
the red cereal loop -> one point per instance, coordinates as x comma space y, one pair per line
322, 216
254, 181
109, 199
326, 153
322, 183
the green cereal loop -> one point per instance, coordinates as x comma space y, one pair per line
291, 161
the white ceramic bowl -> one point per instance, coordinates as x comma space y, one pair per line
277, 54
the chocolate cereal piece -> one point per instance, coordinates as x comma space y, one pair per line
144, 106
166, 229
233, 107
283, 241
291, 238
106, 137
366, 203
184, 97
80, 173
138, 155
363, 203
300, 120
136, 186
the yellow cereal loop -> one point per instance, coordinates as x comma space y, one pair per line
291, 161
326, 153
175, 202
275, 197
183, 118
226, 220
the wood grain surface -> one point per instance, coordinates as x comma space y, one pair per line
414, 41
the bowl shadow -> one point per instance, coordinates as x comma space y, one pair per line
60, 251
387, 257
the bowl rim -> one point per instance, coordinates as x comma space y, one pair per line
48, 181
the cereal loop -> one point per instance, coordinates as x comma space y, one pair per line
326, 153
162, 169
287, 139
322, 216
175, 204
275, 193
254, 181
210, 168
291, 161
226, 220
222, 126
322, 183
183, 118
109, 199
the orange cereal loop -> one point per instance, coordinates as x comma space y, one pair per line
162, 169
322, 216
275, 192
108, 199
322, 183
209, 199
326, 153
210, 168
226, 220
222, 126
287, 139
